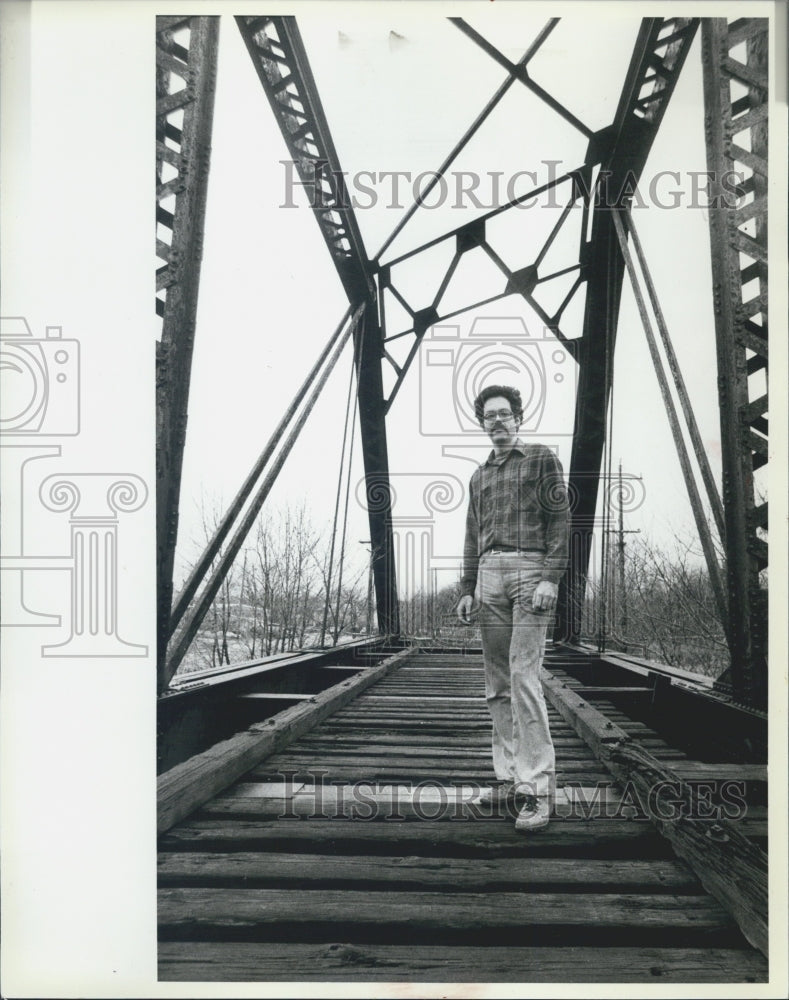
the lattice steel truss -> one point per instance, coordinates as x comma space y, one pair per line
277, 52
621, 150
186, 52
735, 63
603, 183
278, 55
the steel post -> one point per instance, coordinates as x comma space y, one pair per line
736, 136
372, 422
621, 150
182, 149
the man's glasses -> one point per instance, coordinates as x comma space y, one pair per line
492, 415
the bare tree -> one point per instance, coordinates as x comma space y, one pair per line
283, 583
270, 600
671, 614
212, 645
343, 604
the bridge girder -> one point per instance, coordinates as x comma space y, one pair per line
186, 57
282, 66
736, 134
621, 150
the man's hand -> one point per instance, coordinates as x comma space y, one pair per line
545, 596
464, 609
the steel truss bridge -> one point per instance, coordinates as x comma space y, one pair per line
252, 891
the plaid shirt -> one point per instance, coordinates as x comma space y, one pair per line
517, 502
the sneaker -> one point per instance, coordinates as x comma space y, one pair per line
498, 794
534, 815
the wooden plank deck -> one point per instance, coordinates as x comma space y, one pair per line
360, 852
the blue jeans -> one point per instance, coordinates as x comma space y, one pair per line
513, 643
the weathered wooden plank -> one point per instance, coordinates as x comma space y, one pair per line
374, 722
590, 838
268, 914
395, 757
258, 869
364, 802
188, 785
426, 725
565, 797
381, 768
693, 770
437, 746
449, 696
404, 712
320, 738
728, 865
608, 798
392, 755
435, 690
430, 801
480, 762
589, 690
422, 700
480, 758
351, 668
412, 689
422, 750
443, 676
409, 737
587, 776
261, 961
273, 696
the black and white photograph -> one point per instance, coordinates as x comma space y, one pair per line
386, 566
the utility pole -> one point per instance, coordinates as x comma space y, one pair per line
621, 604
366, 541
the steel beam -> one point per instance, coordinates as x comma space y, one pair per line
621, 150
186, 53
513, 69
372, 423
466, 238
521, 71
736, 135
280, 60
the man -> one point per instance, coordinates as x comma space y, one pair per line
514, 556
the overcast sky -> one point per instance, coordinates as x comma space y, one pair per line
398, 94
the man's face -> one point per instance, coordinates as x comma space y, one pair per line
498, 421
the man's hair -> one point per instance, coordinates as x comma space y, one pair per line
509, 393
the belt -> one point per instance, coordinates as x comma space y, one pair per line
510, 549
